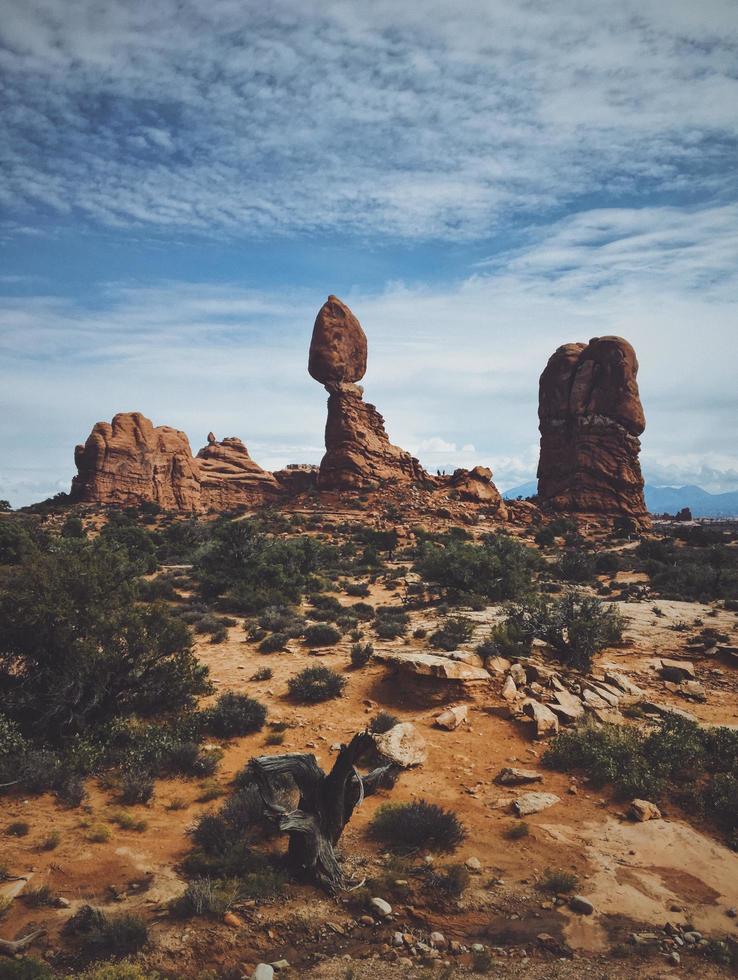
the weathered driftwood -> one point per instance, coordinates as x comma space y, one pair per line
11, 947
325, 806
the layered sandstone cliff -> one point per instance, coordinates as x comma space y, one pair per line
132, 461
591, 417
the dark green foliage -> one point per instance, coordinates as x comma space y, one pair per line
498, 568
575, 565
235, 714
321, 635
358, 589
409, 826
362, 610
361, 654
273, 643
136, 787
607, 563
27, 968
558, 881
121, 532
391, 622
505, 640
545, 537
76, 650
383, 722
104, 935
316, 684
691, 572
73, 528
283, 619
18, 828
455, 631
252, 571
20, 540
676, 758
575, 626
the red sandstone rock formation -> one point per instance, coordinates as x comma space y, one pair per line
358, 450
590, 419
476, 486
230, 478
131, 461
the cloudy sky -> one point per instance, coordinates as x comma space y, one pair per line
182, 182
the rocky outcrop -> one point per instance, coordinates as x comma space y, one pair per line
477, 487
230, 478
131, 461
591, 417
358, 451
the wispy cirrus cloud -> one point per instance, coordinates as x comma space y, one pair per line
424, 120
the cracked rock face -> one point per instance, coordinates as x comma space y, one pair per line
590, 419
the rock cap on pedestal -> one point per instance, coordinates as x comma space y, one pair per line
338, 346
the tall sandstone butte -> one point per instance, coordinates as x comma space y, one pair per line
591, 417
358, 451
132, 461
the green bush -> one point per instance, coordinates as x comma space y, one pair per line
409, 826
498, 568
361, 654
321, 635
104, 935
455, 631
382, 722
136, 787
575, 566
26, 968
575, 626
235, 714
273, 643
316, 684
390, 622
504, 640
77, 650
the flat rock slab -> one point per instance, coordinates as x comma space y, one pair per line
544, 719
403, 745
677, 670
516, 777
529, 803
451, 718
431, 665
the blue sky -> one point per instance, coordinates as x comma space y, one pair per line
182, 183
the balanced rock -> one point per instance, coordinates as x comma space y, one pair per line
591, 417
338, 346
130, 461
358, 451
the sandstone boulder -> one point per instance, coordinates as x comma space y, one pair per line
544, 719
510, 776
230, 478
677, 670
476, 486
338, 346
451, 718
403, 744
591, 417
530, 803
642, 810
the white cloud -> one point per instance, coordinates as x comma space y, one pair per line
438, 119
454, 368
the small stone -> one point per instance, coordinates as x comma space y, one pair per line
732, 913
232, 920
582, 905
533, 803
263, 972
397, 939
366, 920
510, 776
642, 810
473, 864
675, 958
509, 689
438, 940
280, 965
382, 908
451, 718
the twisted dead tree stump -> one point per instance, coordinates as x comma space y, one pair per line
11, 947
325, 806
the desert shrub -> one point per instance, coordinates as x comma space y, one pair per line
450, 882
315, 684
382, 722
18, 828
545, 536
676, 758
36, 898
362, 610
104, 935
325, 608
408, 826
263, 674
390, 622
70, 790
161, 587
118, 971
99, 833
19, 541
273, 643
575, 626
356, 589
504, 640
136, 787
251, 570
575, 566
607, 563
73, 528
321, 635
454, 631
121, 533
498, 568
77, 650
189, 759
26, 968
51, 841
517, 830
282, 619
361, 654
208, 897
235, 714
558, 881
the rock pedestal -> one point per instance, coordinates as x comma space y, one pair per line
591, 417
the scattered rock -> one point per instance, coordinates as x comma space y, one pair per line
677, 670
451, 718
509, 689
544, 719
382, 908
530, 803
264, 971
473, 864
581, 905
403, 744
509, 776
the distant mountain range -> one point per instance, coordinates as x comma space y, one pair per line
667, 500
